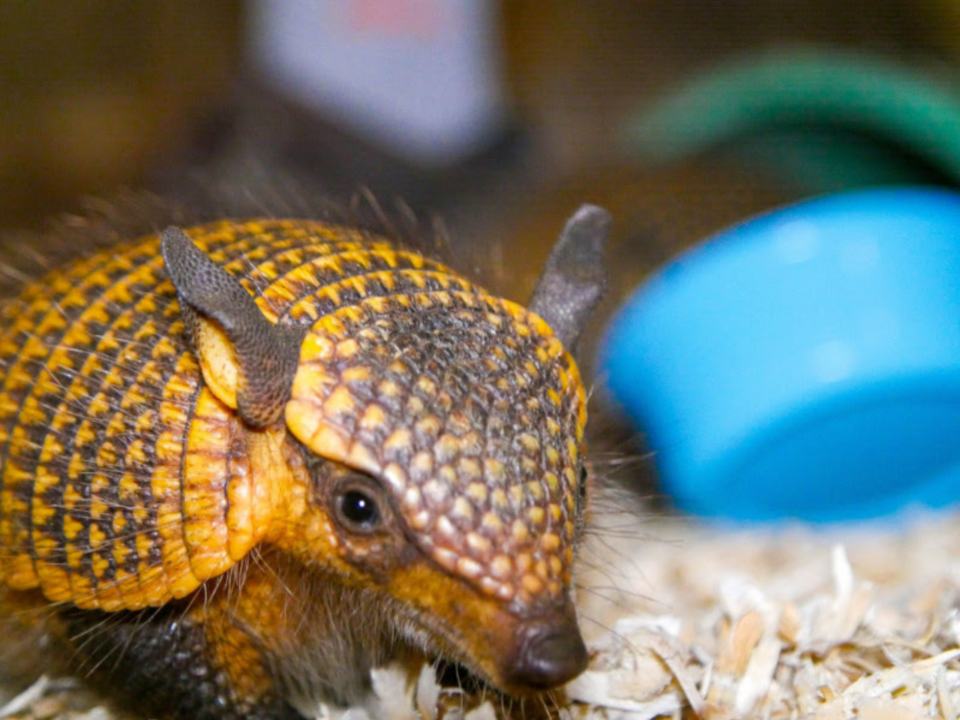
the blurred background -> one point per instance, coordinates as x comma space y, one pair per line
493, 114
679, 116
486, 112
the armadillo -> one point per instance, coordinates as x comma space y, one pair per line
245, 462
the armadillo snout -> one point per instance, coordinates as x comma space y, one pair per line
550, 653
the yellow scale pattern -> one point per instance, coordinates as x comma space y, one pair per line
470, 410
124, 481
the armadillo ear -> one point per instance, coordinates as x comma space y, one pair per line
247, 362
574, 279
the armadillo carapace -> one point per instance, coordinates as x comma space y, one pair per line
247, 461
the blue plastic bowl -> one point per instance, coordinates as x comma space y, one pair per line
805, 364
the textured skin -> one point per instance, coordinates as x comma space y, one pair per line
129, 481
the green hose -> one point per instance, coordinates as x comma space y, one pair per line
817, 113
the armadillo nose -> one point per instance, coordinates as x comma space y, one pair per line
549, 656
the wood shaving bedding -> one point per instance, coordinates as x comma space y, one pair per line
800, 622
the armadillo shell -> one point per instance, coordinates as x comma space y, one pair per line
123, 480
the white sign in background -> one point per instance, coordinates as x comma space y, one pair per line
420, 78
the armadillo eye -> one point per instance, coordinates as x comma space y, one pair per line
358, 510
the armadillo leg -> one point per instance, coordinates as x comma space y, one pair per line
181, 662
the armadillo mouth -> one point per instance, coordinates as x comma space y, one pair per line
452, 675
520, 650
472, 690
544, 654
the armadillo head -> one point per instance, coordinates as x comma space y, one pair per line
444, 436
